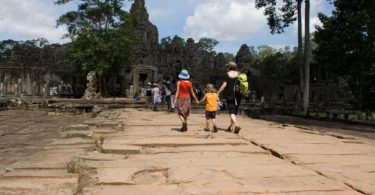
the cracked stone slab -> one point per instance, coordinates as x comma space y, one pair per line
76, 133
270, 185
97, 156
174, 142
132, 189
79, 127
40, 186
49, 159
115, 148
131, 176
39, 173
330, 192
72, 141
249, 149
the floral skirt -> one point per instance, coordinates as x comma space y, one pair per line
184, 105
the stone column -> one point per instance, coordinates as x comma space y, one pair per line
19, 87
28, 85
1, 89
7, 80
135, 80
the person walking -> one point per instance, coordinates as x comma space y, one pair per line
182, 98
211, 98
149, 94
233, 98
172, 88
167, 95
156, 97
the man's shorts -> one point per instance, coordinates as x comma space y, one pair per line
210, 114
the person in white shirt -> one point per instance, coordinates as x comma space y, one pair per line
156, 94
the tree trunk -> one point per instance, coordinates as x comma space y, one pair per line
360, 82
307, 58
299, 55
102, 86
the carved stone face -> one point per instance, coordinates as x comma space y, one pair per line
90, 76
140, 3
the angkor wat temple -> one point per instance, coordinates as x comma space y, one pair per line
154, 62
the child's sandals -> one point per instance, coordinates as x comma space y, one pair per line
215, 129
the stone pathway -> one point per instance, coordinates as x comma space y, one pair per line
134, 151
150, 156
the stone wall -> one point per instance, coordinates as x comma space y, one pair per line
17, 81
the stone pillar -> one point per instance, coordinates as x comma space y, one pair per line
28, 85
135, 81
19, 87
1, 89
35, 90
7, 83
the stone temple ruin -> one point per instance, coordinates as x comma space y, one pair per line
154, 62
40, 78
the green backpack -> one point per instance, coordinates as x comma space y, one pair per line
242, 86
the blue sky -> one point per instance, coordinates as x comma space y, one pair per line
231, 22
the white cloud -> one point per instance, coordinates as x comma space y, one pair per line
30, 19
225, 20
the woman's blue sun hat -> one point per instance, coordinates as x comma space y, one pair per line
184, 75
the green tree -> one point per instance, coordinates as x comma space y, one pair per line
278, 20
22, 53
102, 36
6, 47
229, 57
207, 44
165, 43
346, 47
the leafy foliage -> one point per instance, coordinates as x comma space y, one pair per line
346, 46
207, 44
278, 18
101, 33
24, 53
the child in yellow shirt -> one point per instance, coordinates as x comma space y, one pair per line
211, 99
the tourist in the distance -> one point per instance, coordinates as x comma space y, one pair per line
167, 95
156, 97
182, 98
149, 94
173, 89
233, 99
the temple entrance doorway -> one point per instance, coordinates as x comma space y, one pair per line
143, 79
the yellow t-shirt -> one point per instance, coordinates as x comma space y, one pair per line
211, 102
